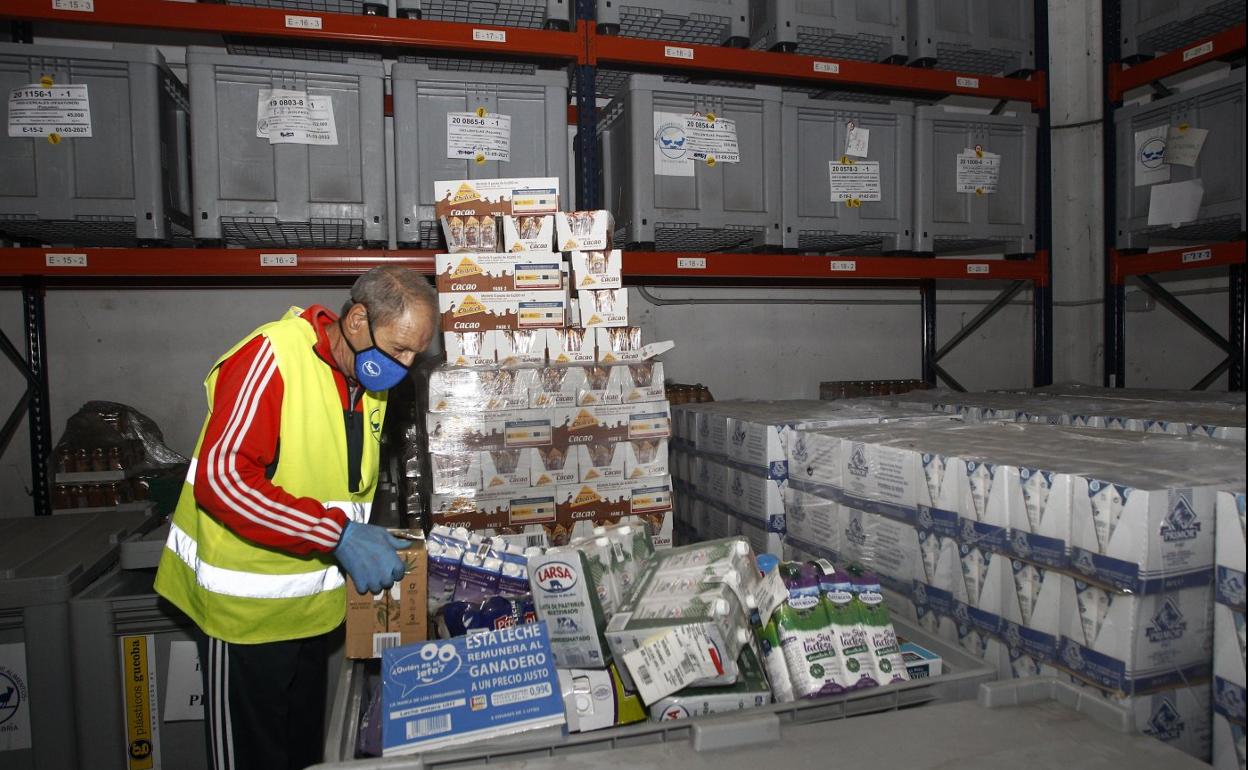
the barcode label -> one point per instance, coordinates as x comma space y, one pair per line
303, 22
420, 728
85, 6
535, 541
689, 666
977, 269
1197, 256
279, 260
967, 82
386, 641
65, 260
490, 35
677, 52
643, 673
1198, 50
844, 265
691, 263
827, 66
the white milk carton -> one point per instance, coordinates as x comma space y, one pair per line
1228, 743
1230, 557
1136, 642
1032, 614
566, 598
1228, 645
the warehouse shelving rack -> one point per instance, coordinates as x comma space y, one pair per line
36, 270
1120, 266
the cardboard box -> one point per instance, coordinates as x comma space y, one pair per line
596, 699
598, 385
1230, 556
551, 466
506, 469
556, 387
487, 311
652, 419
592, 424
584, 230
638, 383
1228, 744
524, 516
1032, 613
570, 347
486, 431
1229, 645
391, 618
478, 390
813, 520
645, 457
619, 344
597, 269
921, 663
528, 233
602, 461
520, 347
495, 272
469, 348
1178, 716
606, 307
456, 472
461, 202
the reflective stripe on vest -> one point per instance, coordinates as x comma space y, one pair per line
253, 585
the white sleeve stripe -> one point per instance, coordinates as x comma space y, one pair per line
219, 478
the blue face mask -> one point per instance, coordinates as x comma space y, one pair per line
375, 369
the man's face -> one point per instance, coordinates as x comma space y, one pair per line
405, 337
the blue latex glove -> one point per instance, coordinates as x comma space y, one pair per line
367, 553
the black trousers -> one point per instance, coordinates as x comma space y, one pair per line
264, 704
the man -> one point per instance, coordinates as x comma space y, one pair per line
275, 510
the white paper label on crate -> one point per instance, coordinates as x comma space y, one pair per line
978, 172
64, 260
14, 698
303, 22
1198, 50
677, 52
1150, 156
1183, 144
671, 157
284, 116
64, 111
829, 67
184, 688
855, 181
279, 260
769, 594
967, 82
1175, 204
83, 6
857, 139
712, 141
844, 266
667, 663
691, 263
470, 136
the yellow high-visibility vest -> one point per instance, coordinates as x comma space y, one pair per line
245, 593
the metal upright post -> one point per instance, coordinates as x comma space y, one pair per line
927, 301
1042, 293
1114, 321
588, 173
1235, 377
40, 417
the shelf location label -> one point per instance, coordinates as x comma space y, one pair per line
1198, 50
844, 266
677, 52
967, 82
83, 6
827, 66
490, 35
279, 260
1203, 255
303, 22
65, 260
978, 269
691, 263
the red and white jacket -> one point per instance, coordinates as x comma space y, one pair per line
241, 447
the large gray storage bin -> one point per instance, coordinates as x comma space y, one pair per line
129, 181
844, 29
252, 193
1217, 107
814, 132
727, 206
536, 102
705, 22
44, 562
1152, 26
949, 222
988, 37
554, 14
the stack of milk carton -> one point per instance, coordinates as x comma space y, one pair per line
545, 421
1228, 634
1034, 547
730, 462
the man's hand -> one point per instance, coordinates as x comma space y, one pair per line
367, 553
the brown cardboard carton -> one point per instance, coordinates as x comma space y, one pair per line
390, 618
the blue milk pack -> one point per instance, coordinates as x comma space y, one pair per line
451, 692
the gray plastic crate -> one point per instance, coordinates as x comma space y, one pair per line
844, 29
728, 206
128, 182
705, 22
44, 562
960, 682
1217, 107
252, 193
536, 102
553, 14
988, 37
949, 222
1150, 27
814, 130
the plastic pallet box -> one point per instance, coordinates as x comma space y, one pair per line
949, 222
988, 37
536, 102
728, 206
1218, 107
249, 192
1150, 27
130, 181
44, 562
815, 130
705, 22
549, 14
843, 29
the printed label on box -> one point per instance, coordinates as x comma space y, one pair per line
978, 172
855, 181
62, 111
478, 138
284, 116
711, 140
